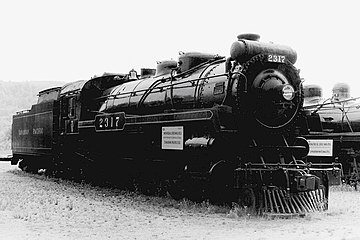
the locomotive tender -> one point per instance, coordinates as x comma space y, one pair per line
202, 127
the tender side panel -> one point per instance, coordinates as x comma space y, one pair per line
32, 132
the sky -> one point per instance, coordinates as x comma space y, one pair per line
69, 40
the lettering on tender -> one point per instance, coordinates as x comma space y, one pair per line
23, 132
38, 131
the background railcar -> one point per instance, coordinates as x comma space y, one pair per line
333, 132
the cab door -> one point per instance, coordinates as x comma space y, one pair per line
70, 110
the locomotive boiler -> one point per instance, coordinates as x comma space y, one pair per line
202, 127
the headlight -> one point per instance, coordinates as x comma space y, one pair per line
288, 92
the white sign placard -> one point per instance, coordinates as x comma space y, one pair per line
320, 147
172, 138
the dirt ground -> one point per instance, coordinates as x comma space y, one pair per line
37, 207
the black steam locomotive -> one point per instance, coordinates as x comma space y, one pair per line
333, 132
202, 127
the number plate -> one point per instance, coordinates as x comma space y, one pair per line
276, 58
109, 122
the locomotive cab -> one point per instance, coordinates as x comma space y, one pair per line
70, 107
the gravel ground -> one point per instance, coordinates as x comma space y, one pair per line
37, 207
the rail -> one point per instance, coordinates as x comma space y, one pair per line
6, 159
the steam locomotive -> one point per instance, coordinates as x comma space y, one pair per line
202, 127
333, 134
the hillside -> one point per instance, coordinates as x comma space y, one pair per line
17, 96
